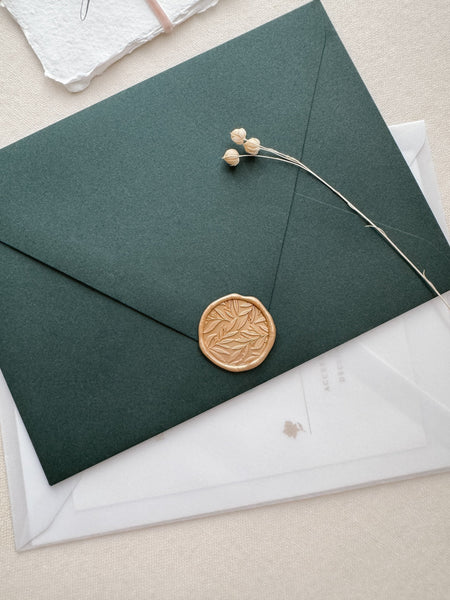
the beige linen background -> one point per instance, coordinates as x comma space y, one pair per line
385, 542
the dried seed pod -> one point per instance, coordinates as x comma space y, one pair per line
252, 146
239, 136
231, 157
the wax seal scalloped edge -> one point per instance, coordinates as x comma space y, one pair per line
262, 349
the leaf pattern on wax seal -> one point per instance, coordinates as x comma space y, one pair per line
236, 332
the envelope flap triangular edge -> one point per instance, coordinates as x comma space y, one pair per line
131, 198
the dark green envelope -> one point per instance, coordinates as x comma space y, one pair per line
120, 224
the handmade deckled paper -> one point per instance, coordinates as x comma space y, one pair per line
73, 50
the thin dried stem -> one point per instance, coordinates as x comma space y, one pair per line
291, 160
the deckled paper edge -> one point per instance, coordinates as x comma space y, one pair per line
82, 80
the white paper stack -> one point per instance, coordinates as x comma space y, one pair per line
374, 409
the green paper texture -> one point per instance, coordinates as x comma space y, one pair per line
120, 224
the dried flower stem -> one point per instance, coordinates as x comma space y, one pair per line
291, 160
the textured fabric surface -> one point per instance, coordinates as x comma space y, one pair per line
390, 541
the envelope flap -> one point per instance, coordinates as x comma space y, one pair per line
130, 196
410, 138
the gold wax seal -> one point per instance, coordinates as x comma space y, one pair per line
236, 332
